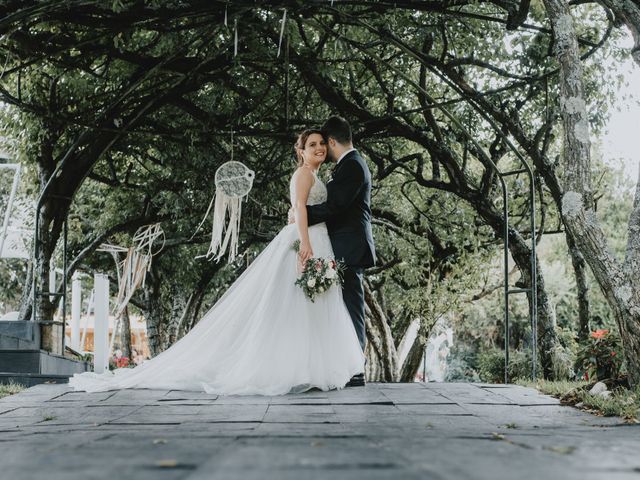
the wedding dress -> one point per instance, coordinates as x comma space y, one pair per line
264, 336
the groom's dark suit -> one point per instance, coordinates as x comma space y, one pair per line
347, 213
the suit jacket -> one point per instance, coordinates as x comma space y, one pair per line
347, 212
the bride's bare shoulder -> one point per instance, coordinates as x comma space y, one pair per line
302, 175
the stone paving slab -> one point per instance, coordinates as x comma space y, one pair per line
381, 431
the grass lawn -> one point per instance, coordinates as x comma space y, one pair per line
622, 402
10, 389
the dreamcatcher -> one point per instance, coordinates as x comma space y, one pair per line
132, 271
233, 182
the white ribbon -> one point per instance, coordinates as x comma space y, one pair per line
235, 39
284, 20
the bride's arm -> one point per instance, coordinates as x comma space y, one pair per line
303, 182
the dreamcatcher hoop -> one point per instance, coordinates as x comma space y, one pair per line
233, 181
132, 271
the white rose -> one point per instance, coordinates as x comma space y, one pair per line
311, 282
330, 274
321, 289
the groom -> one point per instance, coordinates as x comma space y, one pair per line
347, 213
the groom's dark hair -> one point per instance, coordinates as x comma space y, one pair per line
337, 128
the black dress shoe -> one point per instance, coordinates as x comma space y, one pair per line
356, 381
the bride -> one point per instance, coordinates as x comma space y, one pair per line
263, 336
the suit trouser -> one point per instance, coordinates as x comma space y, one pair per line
353, 294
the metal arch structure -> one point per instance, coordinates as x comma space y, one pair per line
501, 175
532, 290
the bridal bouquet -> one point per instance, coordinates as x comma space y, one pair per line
318, 276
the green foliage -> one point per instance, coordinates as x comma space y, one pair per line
13, 274
10, 389
622, 403
435, 249
601, 357
556, 388
491, 365
461, 364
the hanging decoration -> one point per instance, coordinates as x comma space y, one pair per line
235, 37
132, 272
284, 21
233, 182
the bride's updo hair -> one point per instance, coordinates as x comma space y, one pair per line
302, 141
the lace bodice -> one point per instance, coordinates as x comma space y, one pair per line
317, 194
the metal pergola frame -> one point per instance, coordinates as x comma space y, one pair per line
12, 195
526, 168
532, 290
502, 175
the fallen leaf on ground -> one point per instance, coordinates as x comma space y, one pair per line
564, 450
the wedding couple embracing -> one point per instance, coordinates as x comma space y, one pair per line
265, 336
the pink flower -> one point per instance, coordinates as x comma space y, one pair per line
599, 333
122, 362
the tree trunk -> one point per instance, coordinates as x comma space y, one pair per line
191, 312
618, 282
627, 12
185, 318
26, 309
125, 339
45, 308
373, 370
582, 286
178, 307
548, 342
413, 361
154, 314
380, 340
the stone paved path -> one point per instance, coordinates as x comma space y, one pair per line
381, 431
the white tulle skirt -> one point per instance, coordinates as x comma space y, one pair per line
262, 337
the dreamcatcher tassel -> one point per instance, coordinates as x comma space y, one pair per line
284, 21
132, 271
233, 182
235, 38
223, 204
